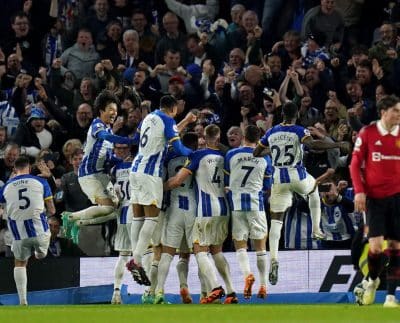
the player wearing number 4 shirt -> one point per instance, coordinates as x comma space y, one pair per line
375, 172
157, 130
27, 198
247, 179
285, 142
211, 225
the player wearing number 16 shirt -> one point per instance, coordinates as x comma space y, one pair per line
157, 131
285, 142
26, 199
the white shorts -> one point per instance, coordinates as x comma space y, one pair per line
249, 224
210, 231
22, 249
157, 234
282, 194
123, 237
178, 224
96, 186
146, 189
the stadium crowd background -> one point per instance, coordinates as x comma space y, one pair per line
334, 59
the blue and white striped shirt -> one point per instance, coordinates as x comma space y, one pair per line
247, 177
24, 196
208, 167
156, 132
285, 142
121, 173
97, 152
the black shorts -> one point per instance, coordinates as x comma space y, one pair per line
383, 217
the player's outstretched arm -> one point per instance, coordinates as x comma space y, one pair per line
180, 148
323, 145
177, 180
189, 118
104, 135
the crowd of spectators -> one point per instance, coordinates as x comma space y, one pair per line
234, 62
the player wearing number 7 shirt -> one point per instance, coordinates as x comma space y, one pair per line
285, 142
157, 130
247, 179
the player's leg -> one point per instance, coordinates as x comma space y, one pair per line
208, 274
118, 276
167, 256
22, 250
182, 267
147, 192
98, 190
377, 210
393, 273
307, 187
153, 274
218, 230
123, 245
21, 280
204, 288
274, 237
222, 266
258, 234
280, 201
240, 235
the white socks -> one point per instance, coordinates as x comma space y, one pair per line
163, 270
92, 212
21, 282
119, 271
274, 236
205, 289
182, 267
207, 270
262, 266
136, 226
144, 238
223, 269
314, 203
153, 275
243, 260
147, 260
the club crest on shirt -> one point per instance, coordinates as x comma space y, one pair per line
398, 143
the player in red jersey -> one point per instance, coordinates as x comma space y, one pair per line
375, 172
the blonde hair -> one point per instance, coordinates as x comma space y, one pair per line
69, 146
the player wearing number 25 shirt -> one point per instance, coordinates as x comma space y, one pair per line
285, 142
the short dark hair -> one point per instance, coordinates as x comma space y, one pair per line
168, 102
365, 63
252, 133
103, 99
289, 111
22, 162
191, 140
19, 14
387, 102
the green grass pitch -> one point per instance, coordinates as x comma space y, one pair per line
199, 313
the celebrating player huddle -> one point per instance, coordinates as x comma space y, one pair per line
201, 190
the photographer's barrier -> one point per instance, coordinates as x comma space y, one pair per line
317, 276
